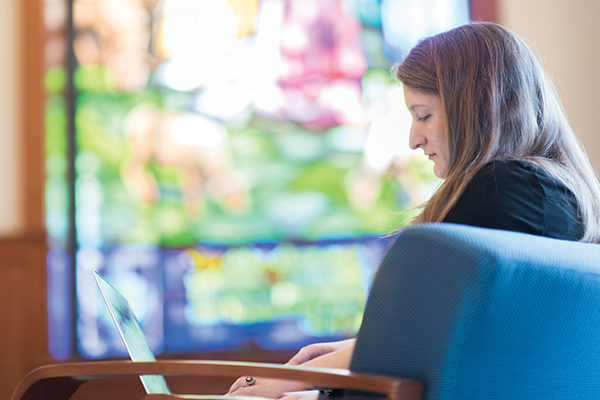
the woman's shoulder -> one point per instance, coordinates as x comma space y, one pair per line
503, 184
506, 175
517, 195
502, 169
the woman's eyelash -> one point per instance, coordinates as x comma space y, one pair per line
424, 118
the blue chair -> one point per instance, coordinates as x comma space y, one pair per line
485, 314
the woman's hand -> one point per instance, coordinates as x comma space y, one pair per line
328, 355
264, 387
310, 395
315, 350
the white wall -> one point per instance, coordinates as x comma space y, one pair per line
11, 210
565, 34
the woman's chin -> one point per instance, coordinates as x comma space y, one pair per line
439, 172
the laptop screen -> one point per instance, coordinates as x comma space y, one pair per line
131, 332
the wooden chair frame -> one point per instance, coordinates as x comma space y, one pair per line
60, 381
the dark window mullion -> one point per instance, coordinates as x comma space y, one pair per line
70, 100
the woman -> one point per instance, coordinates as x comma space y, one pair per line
485, 114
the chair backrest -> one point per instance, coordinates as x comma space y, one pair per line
485, 314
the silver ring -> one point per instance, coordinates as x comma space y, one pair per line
250, 380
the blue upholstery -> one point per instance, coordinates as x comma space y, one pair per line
485, 314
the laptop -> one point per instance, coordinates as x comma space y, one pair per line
131, 332
138, 348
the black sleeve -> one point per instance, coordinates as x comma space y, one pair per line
502, 195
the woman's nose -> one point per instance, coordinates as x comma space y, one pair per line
416, 139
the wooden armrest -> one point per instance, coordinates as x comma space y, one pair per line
59, 381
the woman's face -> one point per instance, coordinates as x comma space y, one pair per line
428, 129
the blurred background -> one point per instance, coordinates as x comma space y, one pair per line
233, 166
236, 164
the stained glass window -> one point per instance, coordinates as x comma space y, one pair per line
238, 164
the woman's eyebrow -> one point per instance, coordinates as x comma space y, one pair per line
414, 106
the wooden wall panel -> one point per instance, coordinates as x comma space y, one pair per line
23, 333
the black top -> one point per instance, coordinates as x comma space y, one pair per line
518, 196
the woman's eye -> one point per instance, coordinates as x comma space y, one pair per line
424, 118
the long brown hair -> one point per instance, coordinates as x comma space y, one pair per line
499, 105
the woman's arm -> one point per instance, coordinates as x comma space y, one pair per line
339, 357
315, 350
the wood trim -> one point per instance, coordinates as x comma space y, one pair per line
483, 10
23, 299
32, 113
